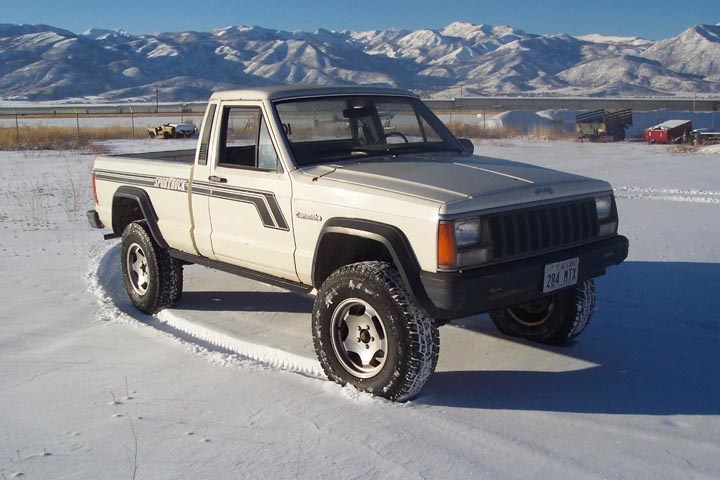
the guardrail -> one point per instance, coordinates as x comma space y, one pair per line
44, 109
536, 104
489, 104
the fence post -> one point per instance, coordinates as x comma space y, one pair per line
77, 122
17, 127
132, 122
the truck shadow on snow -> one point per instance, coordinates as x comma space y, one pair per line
110, 278
279, 301
653, 345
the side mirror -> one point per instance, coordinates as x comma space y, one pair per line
467, 144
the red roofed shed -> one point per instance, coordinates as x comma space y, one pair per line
672, 131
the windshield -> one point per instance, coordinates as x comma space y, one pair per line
329, 129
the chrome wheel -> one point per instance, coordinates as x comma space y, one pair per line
359, 338
137, 267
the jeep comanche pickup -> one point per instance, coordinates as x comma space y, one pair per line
362, 196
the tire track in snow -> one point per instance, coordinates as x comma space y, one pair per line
105, 282
685, 195
265, 355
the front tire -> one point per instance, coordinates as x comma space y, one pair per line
368, 333
556, 319
153, 279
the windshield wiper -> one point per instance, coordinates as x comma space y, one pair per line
415, 149
446, 149
372, 151
361, 153
355, 154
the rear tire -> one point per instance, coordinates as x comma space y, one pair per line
368, 333
153, 279
556, 319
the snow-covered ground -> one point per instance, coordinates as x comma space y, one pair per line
226, 385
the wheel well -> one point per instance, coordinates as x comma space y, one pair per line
337, 250
124, 212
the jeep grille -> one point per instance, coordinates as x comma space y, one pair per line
529, 231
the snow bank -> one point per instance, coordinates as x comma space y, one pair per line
521, 121
709, 150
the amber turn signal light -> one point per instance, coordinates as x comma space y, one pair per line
446, 245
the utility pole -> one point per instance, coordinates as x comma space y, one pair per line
157, 100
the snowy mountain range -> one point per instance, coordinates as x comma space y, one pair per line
40, 62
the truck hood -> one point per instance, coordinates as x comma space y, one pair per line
461, 183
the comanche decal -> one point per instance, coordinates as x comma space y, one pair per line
308, 216
265, 203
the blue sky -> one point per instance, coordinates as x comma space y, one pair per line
649, 19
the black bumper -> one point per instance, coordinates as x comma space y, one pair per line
460, 294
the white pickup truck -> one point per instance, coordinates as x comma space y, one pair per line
362, 197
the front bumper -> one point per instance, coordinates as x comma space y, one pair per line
460, 294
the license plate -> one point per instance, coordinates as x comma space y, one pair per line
561, 274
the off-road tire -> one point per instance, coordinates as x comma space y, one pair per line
566, 315
373, 293
153, 279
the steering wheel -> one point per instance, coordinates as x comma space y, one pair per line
385, 136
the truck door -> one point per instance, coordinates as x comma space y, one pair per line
250, 195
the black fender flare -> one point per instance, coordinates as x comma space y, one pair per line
142, 198
396, 243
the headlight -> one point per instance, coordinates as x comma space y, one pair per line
607, 221
467, 232
463, 243
604, 207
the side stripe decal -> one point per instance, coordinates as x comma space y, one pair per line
265, 203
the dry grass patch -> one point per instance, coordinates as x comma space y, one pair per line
544, 132
469, 130
58, 138
551, 132
682, 148
32, 200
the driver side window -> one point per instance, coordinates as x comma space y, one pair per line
245, 140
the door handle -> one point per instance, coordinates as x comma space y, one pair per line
217, 179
